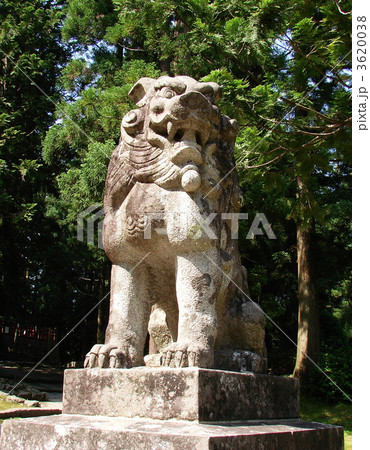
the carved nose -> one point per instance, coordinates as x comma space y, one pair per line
194, 100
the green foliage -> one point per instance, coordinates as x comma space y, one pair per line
234, 101
76, 76
87, 20
335, 358
5, 404
31, 56
340, 414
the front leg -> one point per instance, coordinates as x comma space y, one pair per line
197, 285
128, 320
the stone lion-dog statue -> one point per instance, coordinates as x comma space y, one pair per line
169, 181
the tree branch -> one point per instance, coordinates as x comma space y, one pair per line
337, 76
306, 108
272, 161
342, 12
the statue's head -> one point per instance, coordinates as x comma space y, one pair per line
179, 117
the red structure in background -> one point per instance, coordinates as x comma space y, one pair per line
26, 343
31, 332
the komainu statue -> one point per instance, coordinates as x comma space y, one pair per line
171, 197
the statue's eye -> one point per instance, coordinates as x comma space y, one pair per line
167, 92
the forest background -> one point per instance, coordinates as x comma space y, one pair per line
285, 69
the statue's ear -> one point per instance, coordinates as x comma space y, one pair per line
217, 92
139, 91
210, 90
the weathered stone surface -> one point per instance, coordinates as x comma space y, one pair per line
158, 329
34, 394
170, 231
187, 394
23, 391
86, 433
154, 360
246, 328
225, 359
240, 361
32, 404
246, 325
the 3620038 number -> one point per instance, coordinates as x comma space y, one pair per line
361, 42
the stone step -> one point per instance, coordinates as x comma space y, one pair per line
87, 432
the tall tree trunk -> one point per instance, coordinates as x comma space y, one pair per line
103, 308
99, 325
119, 53
308, 341
100, 322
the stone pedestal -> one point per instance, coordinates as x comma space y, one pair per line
173, 409
186, 394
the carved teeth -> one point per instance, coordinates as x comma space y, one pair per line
171, 130
189, 133
204, 137
210, 148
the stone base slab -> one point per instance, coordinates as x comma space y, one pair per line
88, 432
187, 394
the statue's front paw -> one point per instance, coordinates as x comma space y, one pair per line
104, 356
180, 354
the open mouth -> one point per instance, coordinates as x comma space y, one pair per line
193, 133
190, 132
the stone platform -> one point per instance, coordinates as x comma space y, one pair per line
91, 432
187, 394
173, 409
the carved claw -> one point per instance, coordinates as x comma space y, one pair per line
92, 357
181, 358
118, 359
104, 356
187, 355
